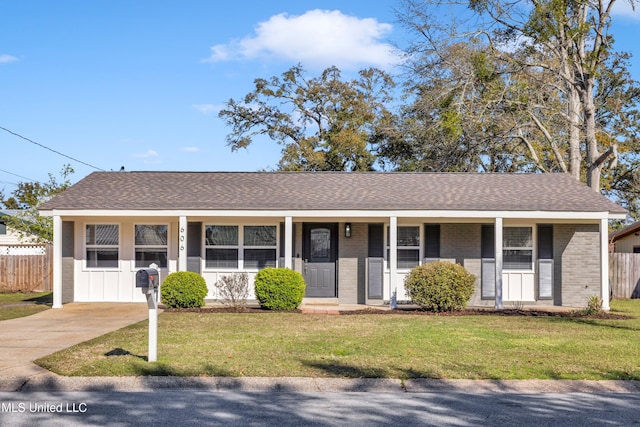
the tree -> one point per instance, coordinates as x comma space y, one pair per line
323, 123
27, 198
558, 87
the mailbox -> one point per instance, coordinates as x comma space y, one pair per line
147, 278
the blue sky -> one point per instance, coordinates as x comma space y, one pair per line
139, 83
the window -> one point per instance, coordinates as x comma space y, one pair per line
151, 245
101, 243
408, 246
221, 246
517, 248
259, 246
636, 249
3, 227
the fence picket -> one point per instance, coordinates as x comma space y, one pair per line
624, 275
26, 268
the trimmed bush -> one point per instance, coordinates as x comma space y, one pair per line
184, 289
279, 288
440, 286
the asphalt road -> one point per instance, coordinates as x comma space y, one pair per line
180, 407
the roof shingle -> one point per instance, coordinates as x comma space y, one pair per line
330, 191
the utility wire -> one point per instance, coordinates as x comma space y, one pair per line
19, 176
51, 149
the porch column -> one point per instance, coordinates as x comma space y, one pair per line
604, 262
393, 262
498, 255
288, 243
182, 244
57, 262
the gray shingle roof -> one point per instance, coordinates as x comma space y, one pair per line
330, 190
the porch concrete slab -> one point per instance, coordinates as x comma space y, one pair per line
26, 339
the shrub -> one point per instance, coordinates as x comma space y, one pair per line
234, 289
184, 289
279, 288
594, 305
440, 286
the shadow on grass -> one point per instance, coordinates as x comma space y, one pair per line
122, 352
342, 370
46, 299
601, 323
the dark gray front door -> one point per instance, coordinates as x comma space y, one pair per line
319, 252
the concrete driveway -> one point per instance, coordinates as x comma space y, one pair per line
26, 339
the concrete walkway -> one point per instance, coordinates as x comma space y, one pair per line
26, 339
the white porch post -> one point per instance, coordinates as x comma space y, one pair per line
604, 262
288, 244
57, 261
393, 262
182, 244
498, 257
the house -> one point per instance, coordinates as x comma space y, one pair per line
11, 243
626, 240
7, 235
538, 239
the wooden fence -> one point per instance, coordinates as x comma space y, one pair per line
26, 268
624, 275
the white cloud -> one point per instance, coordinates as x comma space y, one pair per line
148, 154
190, 149
207, 109
5, 59
317, 39
623, 8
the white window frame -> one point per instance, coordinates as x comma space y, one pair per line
136, 247
240, 247
419, 248
236, 247
532, 248
245, 247
85, 264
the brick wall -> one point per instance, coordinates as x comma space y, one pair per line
576, 250
352, 254
462, 242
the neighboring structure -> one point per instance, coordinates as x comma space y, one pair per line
7, 235
626, 240
10, 241
532, 238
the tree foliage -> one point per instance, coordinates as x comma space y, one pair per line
323, 123
530, 85
27, 198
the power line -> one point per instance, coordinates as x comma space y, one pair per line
19, 176
51, 149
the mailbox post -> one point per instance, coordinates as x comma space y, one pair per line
148, 280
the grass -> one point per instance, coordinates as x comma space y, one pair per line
368, 345
20, 304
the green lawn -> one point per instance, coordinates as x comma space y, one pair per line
21, 304
369, 345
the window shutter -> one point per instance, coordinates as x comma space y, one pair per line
488, 241
194, 246
488, 278
376, 240
432, 240
545, 261
375, 276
